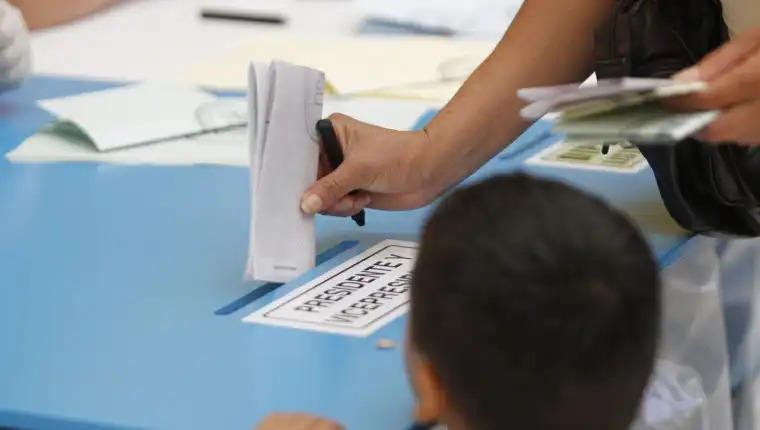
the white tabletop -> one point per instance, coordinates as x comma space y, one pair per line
147, 39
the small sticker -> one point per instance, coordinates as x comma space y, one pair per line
353, 299
587, 155
386, 344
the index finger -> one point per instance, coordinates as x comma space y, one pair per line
329, 189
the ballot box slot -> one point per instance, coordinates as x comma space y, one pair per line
267, 288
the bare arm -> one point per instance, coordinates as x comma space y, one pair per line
550, 42
47, 13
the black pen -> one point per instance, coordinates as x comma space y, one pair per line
335, 156
232, 15
423, 426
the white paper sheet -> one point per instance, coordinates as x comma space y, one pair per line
441, 91
471, 17
354, 299
229, 148
136, 114
352, 65
223, 148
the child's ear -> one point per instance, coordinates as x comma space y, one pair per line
431, 399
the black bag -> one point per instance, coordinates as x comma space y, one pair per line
706, 188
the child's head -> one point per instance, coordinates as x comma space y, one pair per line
534, 307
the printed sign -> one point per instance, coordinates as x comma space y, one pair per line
353, 299
624, 158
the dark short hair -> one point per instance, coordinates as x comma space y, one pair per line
537, 306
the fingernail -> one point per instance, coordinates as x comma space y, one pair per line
687, 75
311, 204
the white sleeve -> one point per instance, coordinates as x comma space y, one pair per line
15, 61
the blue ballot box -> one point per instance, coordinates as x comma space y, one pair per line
121, 292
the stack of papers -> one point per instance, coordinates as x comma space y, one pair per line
618, 110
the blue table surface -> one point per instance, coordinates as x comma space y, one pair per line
121, 293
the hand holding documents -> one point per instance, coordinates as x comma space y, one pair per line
618, 110
285, 103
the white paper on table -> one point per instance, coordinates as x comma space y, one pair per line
352, 65
441, 91
228, 147
137, 114
354, 299
480, 17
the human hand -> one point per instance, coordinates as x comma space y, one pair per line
732, 73
14, 47
291, 421
389, 168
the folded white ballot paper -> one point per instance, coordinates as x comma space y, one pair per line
137, 114
285, 103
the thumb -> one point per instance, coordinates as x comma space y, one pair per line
329, 189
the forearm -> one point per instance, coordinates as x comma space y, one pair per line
46, 13
550, 42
